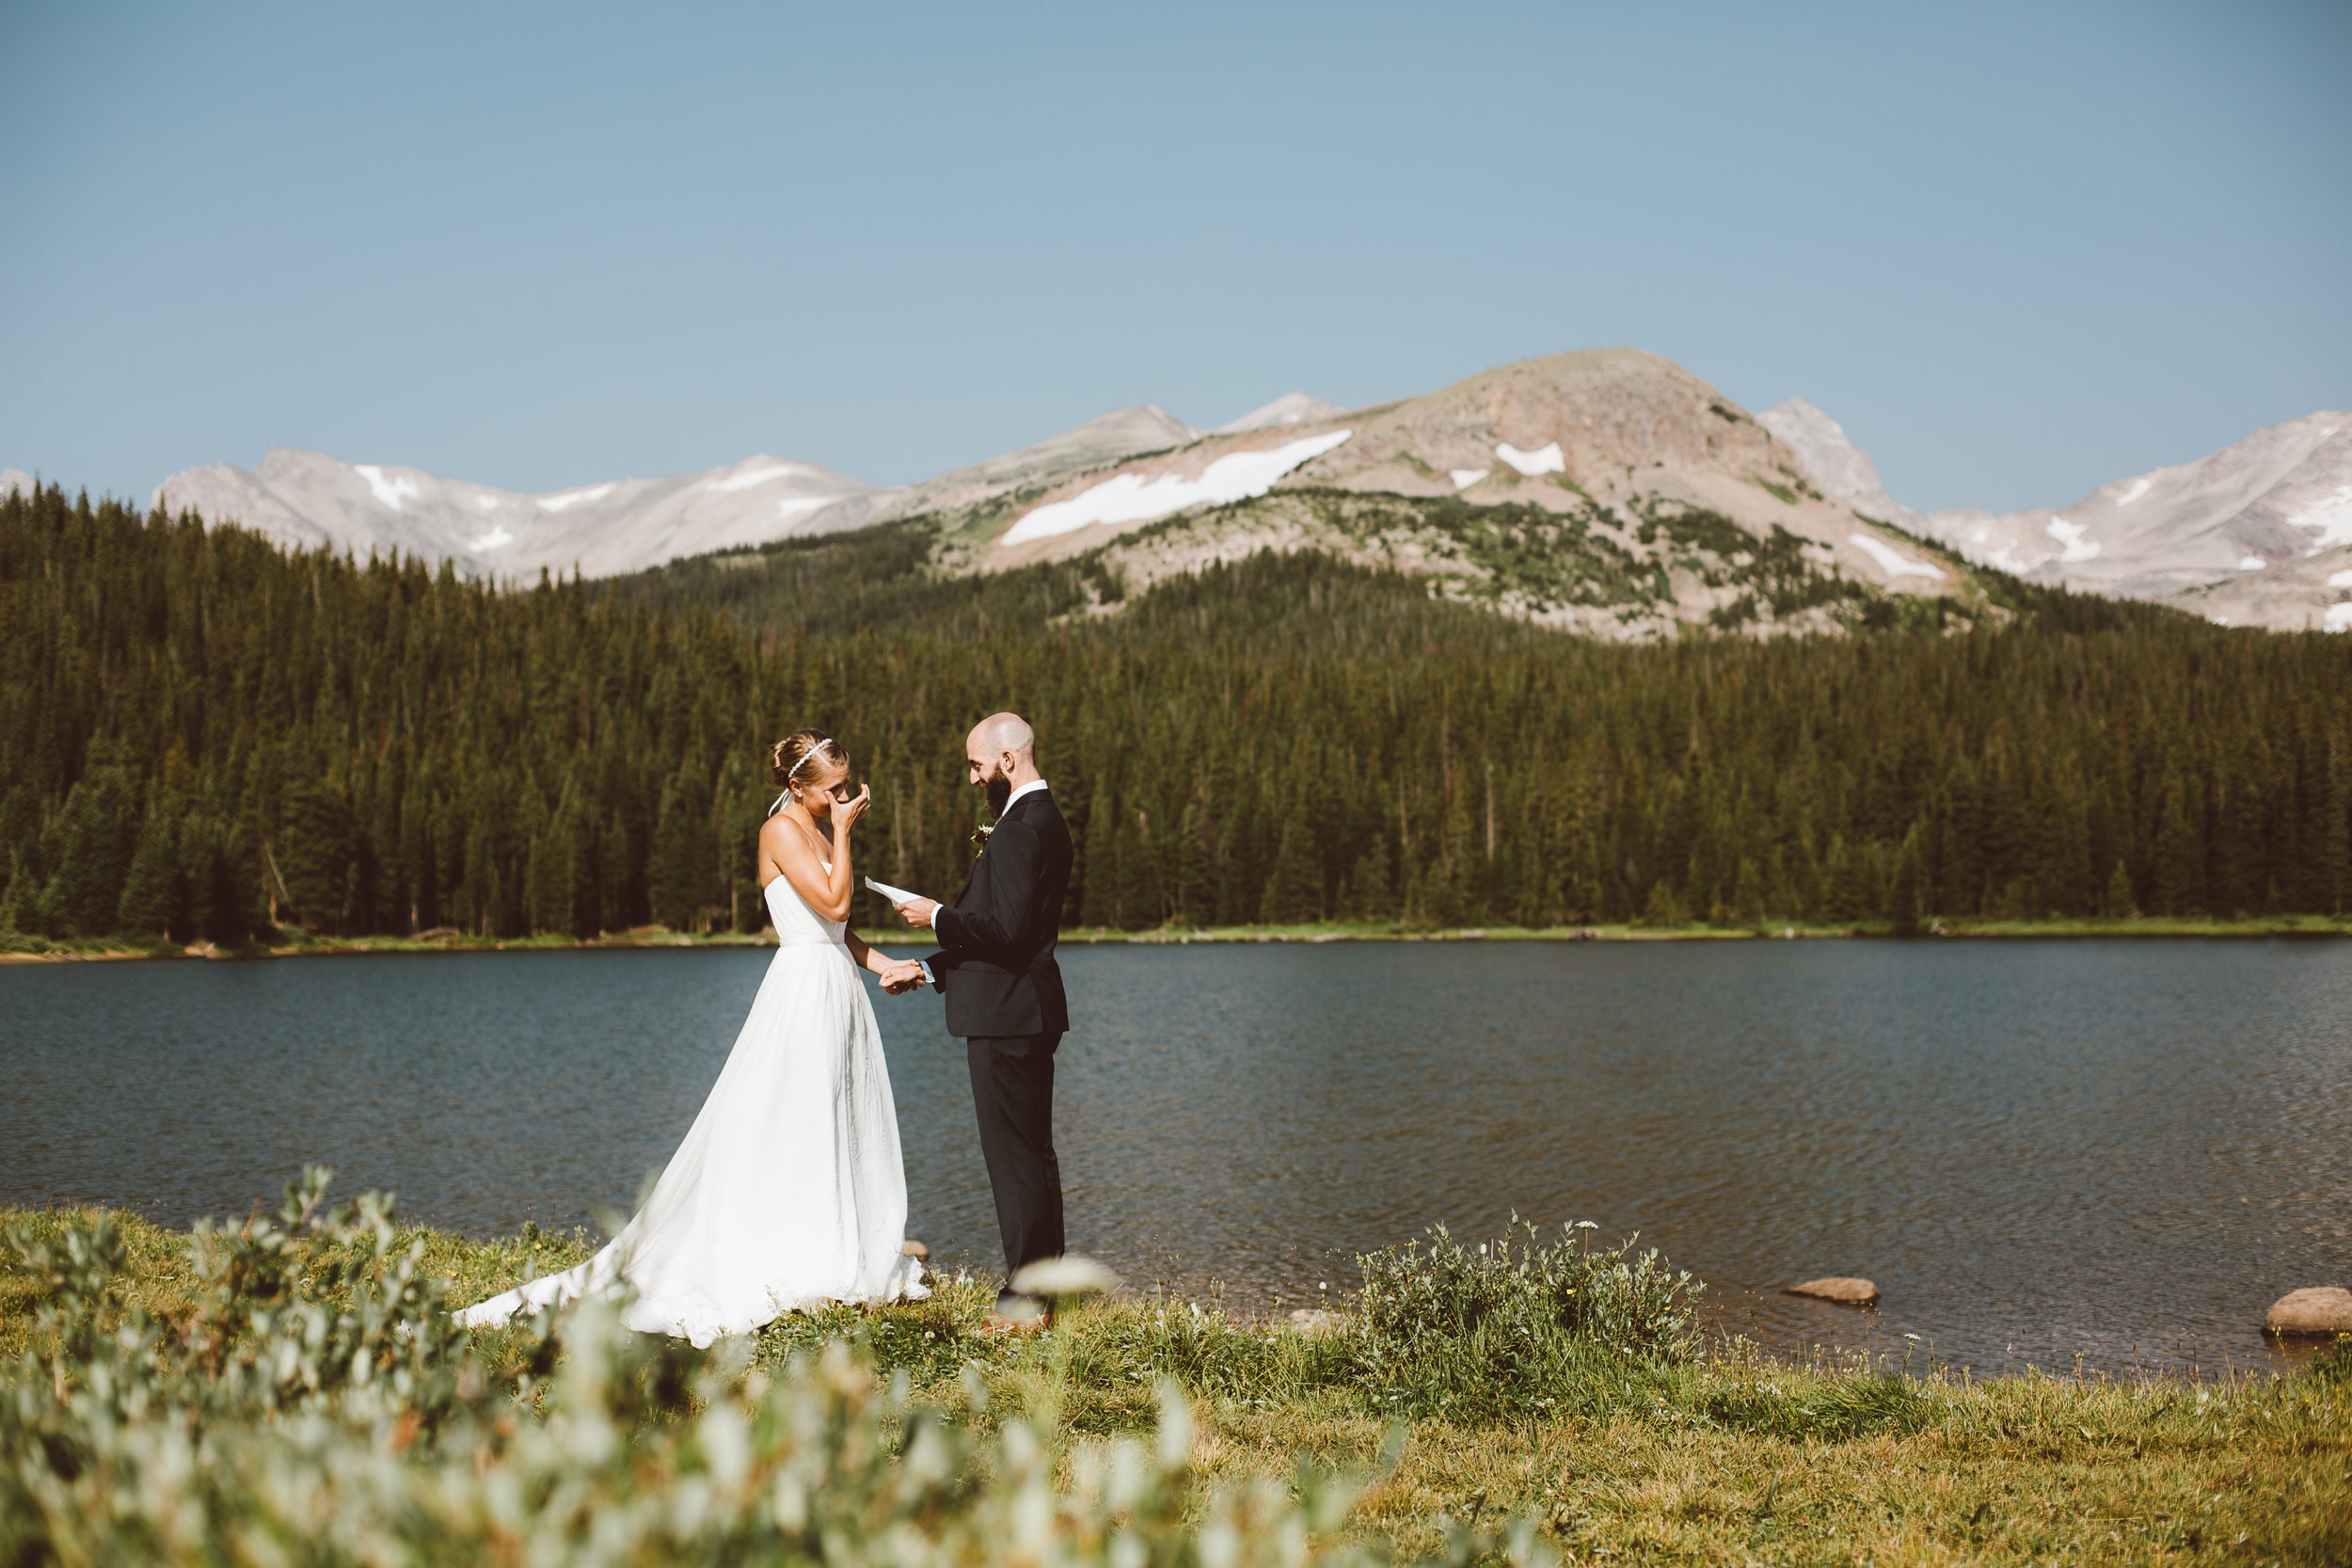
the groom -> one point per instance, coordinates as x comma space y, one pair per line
995, 968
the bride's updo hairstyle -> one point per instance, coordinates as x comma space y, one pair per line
801, 756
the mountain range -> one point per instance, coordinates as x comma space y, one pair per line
1607, 491
2255, 534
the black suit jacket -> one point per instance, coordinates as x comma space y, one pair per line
995, 964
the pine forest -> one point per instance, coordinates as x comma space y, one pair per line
205, 739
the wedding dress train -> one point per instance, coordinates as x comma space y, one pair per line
788, 1190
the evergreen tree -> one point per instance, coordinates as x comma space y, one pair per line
315, 857
1906, 884
2118, 904
94, 838
152, 895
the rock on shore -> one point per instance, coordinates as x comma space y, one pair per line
1844, 1290
2315, 1309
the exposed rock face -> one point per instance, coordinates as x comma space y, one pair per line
2316, 1310
1289, 408
1846, 1290
1612, 436
1622, 422
2259, 533
1843, 470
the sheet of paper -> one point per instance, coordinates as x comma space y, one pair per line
896, 894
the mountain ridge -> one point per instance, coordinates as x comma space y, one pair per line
1601, 444
2257, 534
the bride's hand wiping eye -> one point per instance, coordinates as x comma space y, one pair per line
845, 815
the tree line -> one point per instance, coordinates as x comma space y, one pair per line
204, 737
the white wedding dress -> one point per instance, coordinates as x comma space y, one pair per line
788, 1190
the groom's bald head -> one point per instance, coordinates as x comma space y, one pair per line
1002, 741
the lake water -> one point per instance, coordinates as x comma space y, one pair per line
2111, 1153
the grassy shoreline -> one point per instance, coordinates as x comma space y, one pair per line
1729, 1457
298, 943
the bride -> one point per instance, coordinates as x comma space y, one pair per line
788, 1190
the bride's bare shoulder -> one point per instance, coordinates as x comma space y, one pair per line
784, 840
776, 840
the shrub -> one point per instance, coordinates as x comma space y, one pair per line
1515, 1326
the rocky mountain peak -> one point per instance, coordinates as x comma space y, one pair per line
1289, 408
2258, 534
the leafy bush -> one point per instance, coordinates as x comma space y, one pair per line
292, 1313
319, 1405
1513, 1327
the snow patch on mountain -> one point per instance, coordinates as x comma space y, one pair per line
2330, 517
2073, 541
392, 490
1130, 498
1547, 459
741, 481
1892, 560
570, 499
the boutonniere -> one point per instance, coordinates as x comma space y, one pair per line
979, 834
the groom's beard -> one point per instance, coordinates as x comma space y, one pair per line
999, 794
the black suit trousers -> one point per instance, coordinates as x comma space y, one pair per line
1012, 1092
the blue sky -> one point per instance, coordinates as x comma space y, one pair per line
2018, 251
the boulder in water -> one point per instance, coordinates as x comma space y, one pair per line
2315, 1309
1843, 1290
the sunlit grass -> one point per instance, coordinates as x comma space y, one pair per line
1444, 1392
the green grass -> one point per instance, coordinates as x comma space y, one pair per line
1576, 1450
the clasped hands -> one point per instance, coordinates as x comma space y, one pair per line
907, 975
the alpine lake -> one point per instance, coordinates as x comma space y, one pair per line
2103, 1155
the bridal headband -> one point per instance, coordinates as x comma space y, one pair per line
806, 755
778, 804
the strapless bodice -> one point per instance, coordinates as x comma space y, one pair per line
797, 925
